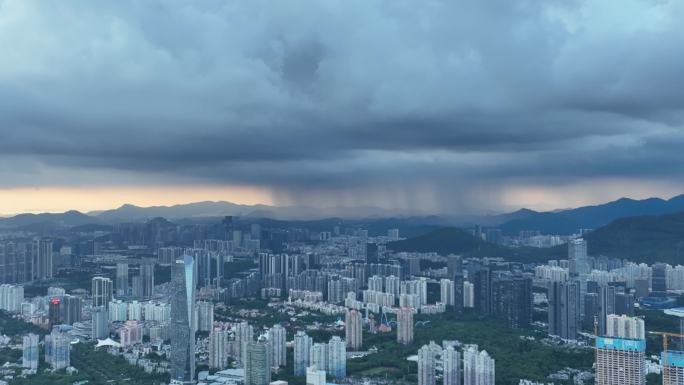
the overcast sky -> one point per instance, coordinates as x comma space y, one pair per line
438, 106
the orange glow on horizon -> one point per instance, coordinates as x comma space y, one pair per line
59, 199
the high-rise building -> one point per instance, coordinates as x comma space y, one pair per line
620, 352
454, 265
468, 295
315, 376
205, 316
183, 283
15, 262
405, 326
606, 306
136, 286
147, 274
54, 312
257, 363
302, 348
30, 352
244, 334
131, 333
42, 259
577, 257
512, 301
564, 309
100, 323
11, 297
470, 353
277, 335
57, 349
71, 309
459, 302
451, 365
121, 279
218, 349
337, 358
481, 278
478, 367
659, 280
102, 291
353, 328
318, 356
426, 366
447, 294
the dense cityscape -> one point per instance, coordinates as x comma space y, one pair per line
341, 192
237, 301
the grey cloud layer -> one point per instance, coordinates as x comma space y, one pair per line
354, 98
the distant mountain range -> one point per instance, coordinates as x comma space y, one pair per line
550, 222
208, 209
587, 217
646, 238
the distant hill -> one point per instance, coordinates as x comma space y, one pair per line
648, 239
588, 217
653, 238
132, 213
67, 219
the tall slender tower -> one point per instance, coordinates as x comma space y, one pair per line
102, 291
451, 363
121, 279
302, 349
353, 329
426, 366
183, 283
405, 326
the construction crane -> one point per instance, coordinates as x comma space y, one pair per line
666, 336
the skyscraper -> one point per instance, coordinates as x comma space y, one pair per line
482, 286
121, 279
577, 257
72, 309
564, 309
257, 363
337, 358
42, 259
478, 367
218, 346
451, 365
315, 376
244, 334
447, 295
53, 312
205, 316
30, 352
102, 291
147, 274
100, 323
183, 283
659, 280
302, 348
512, 300
405, 326
606, 306
353, 329
277, 335
318, 356
454, 265
620, 359
57, 349
426, 366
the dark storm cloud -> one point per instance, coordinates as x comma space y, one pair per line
436, 99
